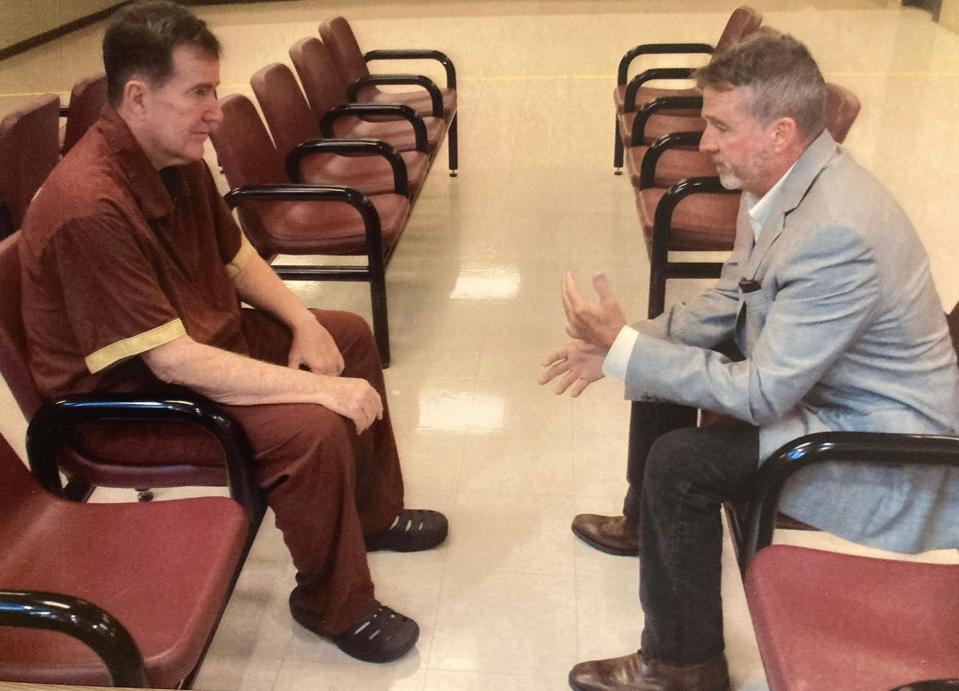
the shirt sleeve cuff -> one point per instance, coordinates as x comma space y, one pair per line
235, 265
617, 359
134, 345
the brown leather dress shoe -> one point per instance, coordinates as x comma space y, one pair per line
638, 674
610, 534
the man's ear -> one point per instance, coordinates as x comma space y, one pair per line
135, 93
785, 133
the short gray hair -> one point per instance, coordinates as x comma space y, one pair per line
781, 77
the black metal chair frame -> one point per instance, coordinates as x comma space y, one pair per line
377, 258
377, 109
346, 147
48, 432
622, 74
417, 80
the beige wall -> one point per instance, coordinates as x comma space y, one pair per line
22, 19
949, 14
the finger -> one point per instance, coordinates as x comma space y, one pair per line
578, 387
557, 355
571, 297
550, 374
565, 383
601, 286
572, 331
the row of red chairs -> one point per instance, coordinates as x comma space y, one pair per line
131, 594
822, 619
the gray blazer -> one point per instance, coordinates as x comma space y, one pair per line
845, 333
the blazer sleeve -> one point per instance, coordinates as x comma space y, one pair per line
828, 291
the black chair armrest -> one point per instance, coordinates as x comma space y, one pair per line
368, 147
658, 49
398, 79
377, 109
317, 193
828, 447
629, 99
673, 140
417, 54
82, 620
930, 685
694, 103
48, 430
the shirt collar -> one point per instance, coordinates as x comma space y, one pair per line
146, 183
759, 209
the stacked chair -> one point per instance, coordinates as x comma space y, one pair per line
29, 150
829, 620
338, 178
641, 117
428, 99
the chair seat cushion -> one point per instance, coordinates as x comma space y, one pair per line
658, 124
397, 133
368, 174
673, 165
417, 98
325, 227
826, 620
161, 569
701, 222
645, 94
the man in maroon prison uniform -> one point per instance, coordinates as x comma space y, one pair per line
133, 272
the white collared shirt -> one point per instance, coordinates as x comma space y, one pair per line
617, 359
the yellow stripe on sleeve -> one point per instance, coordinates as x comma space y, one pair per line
243, 255
134, 345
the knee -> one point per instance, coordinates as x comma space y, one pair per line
671, 462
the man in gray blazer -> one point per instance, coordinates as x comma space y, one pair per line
828, 296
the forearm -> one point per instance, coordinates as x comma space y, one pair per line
258, 285
233, 379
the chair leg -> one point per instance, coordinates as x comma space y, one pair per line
617, 149
381, 327
452, 142
657, 291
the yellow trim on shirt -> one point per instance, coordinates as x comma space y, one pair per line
235, 265
134, 345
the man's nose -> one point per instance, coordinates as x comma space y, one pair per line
707, 142
214, 114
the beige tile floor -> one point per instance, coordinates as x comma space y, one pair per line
513, 600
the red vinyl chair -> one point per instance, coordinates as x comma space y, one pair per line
282, 217
428, 99
29, 150
86, 101
292, 124
167, 450
829, 620
633, 96
100, 594
325, 91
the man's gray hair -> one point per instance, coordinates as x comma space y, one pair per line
781, 77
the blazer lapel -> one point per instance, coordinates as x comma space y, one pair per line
795, 187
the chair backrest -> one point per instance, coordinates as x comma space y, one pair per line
324, 87
14, 355
86, 102
346, 53
743, 21
20, 495
284, 107
29, 150
842, 108
247, 157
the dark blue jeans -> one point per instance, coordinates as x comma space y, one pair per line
688, 473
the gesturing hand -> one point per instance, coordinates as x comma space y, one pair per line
596, 323
353, 398
580, 364
314, 348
